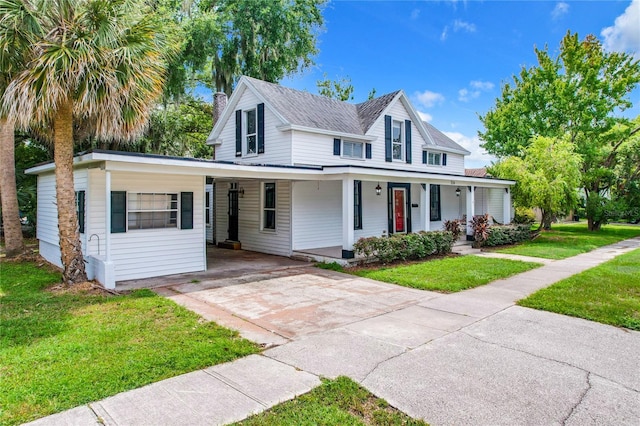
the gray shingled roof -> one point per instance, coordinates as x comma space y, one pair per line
440, 138
370, 110
319, 112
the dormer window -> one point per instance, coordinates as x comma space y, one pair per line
251, 136
397, 145
352, 149
434, 158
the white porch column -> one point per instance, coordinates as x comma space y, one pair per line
347, 218
506, 206
425, 200
107, 216
471, 207
108, 272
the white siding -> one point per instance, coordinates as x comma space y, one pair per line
95, 211
249, 233
143, 253
277, 145
374, 211
47, 213
317, 214
316, 149
210, 229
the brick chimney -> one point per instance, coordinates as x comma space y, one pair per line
219, 104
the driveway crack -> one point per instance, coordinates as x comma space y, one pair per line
582, 396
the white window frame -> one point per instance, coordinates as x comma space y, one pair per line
400, 142
431, 158
160, 205
264, 209
207, 209
253, 135
353, 144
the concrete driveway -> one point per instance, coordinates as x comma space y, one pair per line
465, 358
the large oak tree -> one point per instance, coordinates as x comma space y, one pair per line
580, 95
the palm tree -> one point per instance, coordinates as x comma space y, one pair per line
13, 47
93, 61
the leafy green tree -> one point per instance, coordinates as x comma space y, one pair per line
90, 61
265, 39
578, 94
547, 175
341, 89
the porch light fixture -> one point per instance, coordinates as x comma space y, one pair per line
458, 192
241, 192
378, 189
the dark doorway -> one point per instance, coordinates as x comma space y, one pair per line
233, 214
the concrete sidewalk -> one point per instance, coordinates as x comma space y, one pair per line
464, 358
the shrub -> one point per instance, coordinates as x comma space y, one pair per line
454, 226
405, 246
524, 215
480, 226
507, 234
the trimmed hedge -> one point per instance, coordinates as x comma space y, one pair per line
507, 234
417, 245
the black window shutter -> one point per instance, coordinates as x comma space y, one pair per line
118, 211
387, 138
424, 157
367, 148
80, 195
186, 210
357, 204
238, 133
336, 146
444, 159
260, 128
407, 139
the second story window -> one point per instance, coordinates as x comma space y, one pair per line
433, 159
397, 145
252, 132
352, 149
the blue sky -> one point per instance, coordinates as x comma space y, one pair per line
451, 57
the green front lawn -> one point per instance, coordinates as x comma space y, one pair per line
336, 402
608, 293
570, 239
446, 275
60, 350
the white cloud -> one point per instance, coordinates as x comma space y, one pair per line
464, 95
425, 116
482, 85
427, 99
624, 35
415, 14
477, 86
445, 33
459, 25
478, 156
560, 10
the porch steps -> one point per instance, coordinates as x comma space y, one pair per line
231, 245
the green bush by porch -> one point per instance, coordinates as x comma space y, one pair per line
609, 293
61, 350
410, 246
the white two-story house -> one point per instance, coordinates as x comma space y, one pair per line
294, 174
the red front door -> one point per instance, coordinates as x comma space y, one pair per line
399, 212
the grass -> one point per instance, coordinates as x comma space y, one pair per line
59, 350
608, 293
335, 402
445, 275
566, 240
